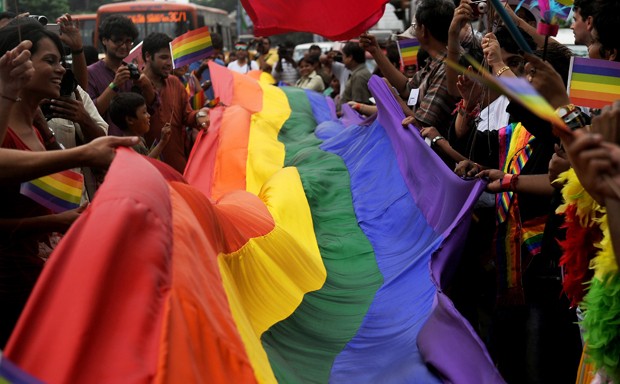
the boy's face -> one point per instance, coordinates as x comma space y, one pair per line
160, 62
141, 123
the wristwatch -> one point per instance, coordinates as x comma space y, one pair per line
572, 116
436, 139
565, 110
201, 114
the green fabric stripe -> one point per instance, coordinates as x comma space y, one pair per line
588, 78
303, 347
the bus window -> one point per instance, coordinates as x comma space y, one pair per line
201, 21
87, 27
172, 23
169, 17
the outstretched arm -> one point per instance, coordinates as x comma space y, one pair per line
391, 73
19, 166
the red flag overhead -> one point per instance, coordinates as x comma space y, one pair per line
333, 19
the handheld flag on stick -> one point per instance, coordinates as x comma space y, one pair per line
512, 28
408, 50
59, 192
517, 89
191, 46
593, 83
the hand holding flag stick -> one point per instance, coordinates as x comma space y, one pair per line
512, 28
517, 89
542, 76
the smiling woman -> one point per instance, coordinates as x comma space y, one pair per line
26, 227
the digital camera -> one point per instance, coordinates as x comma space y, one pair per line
134, 72
40, 18
479, 7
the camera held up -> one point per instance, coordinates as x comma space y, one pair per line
479, 7
134, 72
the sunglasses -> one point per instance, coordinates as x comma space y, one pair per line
241, 47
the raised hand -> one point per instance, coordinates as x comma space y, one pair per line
16, 70
369, 43
70, 32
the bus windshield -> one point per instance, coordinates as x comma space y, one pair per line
87, 29
172, 23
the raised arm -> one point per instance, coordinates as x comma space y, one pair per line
15, 70
19, 166
463, 14
70, 35
391, 73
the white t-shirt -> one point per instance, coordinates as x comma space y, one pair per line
494, 116
234, 66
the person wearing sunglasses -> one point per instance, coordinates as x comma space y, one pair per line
243, 64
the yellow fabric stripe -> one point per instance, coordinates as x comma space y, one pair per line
265, 152
267, 278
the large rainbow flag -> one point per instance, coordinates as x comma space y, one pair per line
293, 249
593, 83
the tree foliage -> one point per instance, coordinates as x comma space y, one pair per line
50, 9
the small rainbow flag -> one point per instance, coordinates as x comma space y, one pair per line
408, 50
593, 83
191, 46
521, 90
59, 191
197, 99
516, 88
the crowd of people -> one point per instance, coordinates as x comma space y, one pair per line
549, 216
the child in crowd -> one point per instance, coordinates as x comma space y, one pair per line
128, 112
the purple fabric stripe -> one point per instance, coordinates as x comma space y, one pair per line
438, 194
14, 375
349, 116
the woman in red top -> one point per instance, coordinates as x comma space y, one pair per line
26, 226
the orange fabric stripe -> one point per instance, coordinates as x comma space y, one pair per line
200, 342
231, 158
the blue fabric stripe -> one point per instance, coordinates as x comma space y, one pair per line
320, 109
384, 348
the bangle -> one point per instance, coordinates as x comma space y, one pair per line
502, 70
77, 51
113, 87
436, 139
13, 99
460, 108
506, 182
